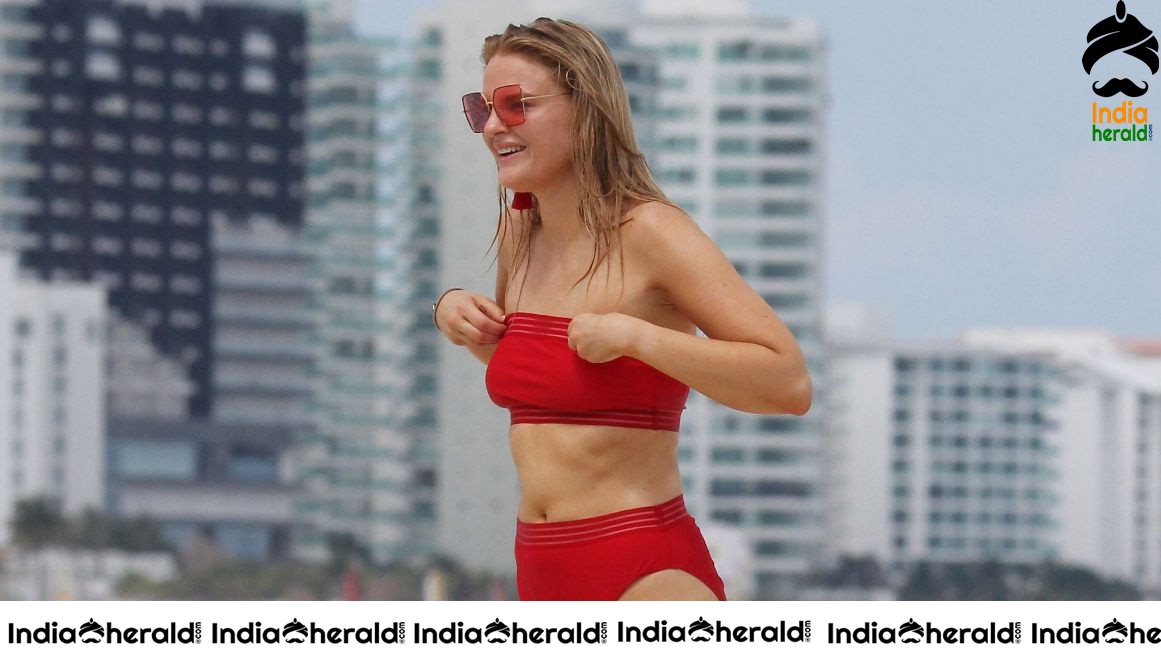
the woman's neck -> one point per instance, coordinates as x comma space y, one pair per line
560, 222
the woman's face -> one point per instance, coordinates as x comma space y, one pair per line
546, 134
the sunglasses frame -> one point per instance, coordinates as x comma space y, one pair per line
499, 113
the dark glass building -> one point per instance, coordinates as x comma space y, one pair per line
157, 122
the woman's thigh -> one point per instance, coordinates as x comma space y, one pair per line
668, 585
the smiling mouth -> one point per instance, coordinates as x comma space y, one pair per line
509, 154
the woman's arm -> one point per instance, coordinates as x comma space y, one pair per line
748, 360
473, 320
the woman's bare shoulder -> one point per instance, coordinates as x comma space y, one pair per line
647, 220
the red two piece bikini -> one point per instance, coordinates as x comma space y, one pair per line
540, 380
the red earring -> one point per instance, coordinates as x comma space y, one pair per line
522, 201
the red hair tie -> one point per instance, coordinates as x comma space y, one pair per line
522, 201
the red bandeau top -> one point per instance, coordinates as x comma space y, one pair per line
540, 380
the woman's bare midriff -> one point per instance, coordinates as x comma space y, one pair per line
572, 472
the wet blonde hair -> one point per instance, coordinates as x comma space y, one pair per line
611, 173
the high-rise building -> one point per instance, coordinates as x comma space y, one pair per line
356, 465
1105, 427
139, 126
740, 135
1010, 445
972, 463
52, 415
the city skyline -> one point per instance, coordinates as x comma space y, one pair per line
965, 145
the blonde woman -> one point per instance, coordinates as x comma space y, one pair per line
595, 378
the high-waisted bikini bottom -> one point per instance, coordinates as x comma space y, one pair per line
598, 558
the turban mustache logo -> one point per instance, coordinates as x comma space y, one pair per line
1126, 34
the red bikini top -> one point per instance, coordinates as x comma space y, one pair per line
540, 380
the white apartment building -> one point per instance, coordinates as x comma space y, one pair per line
355, 467
1013, 445
1108, 434
52, 415
740, 135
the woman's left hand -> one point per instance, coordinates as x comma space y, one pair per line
599, 338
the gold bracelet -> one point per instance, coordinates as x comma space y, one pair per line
435, 306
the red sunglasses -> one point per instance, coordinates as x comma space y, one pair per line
508, 101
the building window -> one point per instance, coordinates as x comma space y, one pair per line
781, 84
103, 31
732, 177
65, 138
107, 211
149, 145
100, 65
146, 110
112, 281
186, 250
785, 115
148, 76
732, 114
187, 80
263, 120
148, 41
146, 213
223, 151
106, 245
186, 216
186, 148
263, 154
258, 79
220, 116
682, 51
61, 103
186, 285
150, 248
185, 319
728, 146
258, 44
783, 52
104, 176
64, 208
187, 45
677, 176
187, 114
146, 282
262, 188
223, 185
110, 142
147, 179
785, 177
154, 460
185, 182
792, 146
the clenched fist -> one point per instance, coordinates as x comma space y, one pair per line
599, 338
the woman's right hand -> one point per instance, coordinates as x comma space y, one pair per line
469, 318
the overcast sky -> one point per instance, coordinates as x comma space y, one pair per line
963, 188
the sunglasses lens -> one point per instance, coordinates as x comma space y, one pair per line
476, 110
508, 104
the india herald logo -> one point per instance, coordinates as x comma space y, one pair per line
1126, 34
91, 632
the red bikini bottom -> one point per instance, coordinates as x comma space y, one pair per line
598, 558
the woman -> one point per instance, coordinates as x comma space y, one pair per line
596, 378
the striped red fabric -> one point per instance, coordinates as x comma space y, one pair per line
588, 529
535, 375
